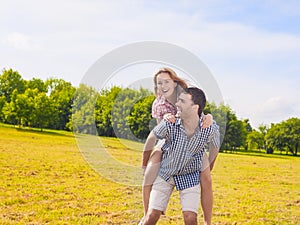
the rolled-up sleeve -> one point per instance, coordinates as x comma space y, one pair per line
160, 131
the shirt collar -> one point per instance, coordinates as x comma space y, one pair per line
201, 120
162, 99
179, 121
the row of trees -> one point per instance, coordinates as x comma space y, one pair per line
35, 103
122, 112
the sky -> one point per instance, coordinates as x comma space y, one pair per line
252, 48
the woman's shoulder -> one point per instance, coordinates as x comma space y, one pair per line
159, 101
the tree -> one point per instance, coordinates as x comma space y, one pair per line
226, 118
275, 138
36, 83
291, 130
61, 95
20, 109
233, 132
140, 120
248, 129
122, 107
236, 134
2, 104
83, 110
9, 82
43, 110
103, 111
284, 136
255, 140
247, 126
124, 113
220, 114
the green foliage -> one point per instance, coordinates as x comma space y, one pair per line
233, 131
219, 114
19, 110
140, 120
125, 113
103, 112
291, 129
36, 83
122, 112
35, 103
247, 126
61, 97
236, 134
43, 110
2, 104
284, 135
255, 140
131, 103
83, 108
11, 81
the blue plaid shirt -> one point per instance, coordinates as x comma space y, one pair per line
182, 156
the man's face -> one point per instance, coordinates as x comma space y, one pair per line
184, 105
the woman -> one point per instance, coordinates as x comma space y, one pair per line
167, 87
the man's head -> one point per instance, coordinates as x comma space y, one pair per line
191, 101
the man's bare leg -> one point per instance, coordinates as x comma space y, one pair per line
152, 217
190, 218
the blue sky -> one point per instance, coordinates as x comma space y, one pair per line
251, 47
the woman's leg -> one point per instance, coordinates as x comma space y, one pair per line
150, 175
206, 191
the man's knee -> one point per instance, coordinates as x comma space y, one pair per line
152, 217
190, 218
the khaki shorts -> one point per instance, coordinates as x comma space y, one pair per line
162, 190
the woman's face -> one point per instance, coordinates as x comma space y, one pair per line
165, 85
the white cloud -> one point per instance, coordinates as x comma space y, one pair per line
275, 106
20, 41
275, 110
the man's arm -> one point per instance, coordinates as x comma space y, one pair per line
148, 147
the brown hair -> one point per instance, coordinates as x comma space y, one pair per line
198, 97
181, 84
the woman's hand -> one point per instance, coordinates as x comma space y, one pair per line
169, 117
207, 120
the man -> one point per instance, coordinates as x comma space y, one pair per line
182, 157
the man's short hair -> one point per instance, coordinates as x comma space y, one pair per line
198, 97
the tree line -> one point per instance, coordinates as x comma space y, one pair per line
124, 113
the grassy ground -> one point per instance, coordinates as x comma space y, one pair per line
45, 180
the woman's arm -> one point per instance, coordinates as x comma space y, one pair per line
214, 145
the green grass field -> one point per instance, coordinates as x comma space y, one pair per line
45, 180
